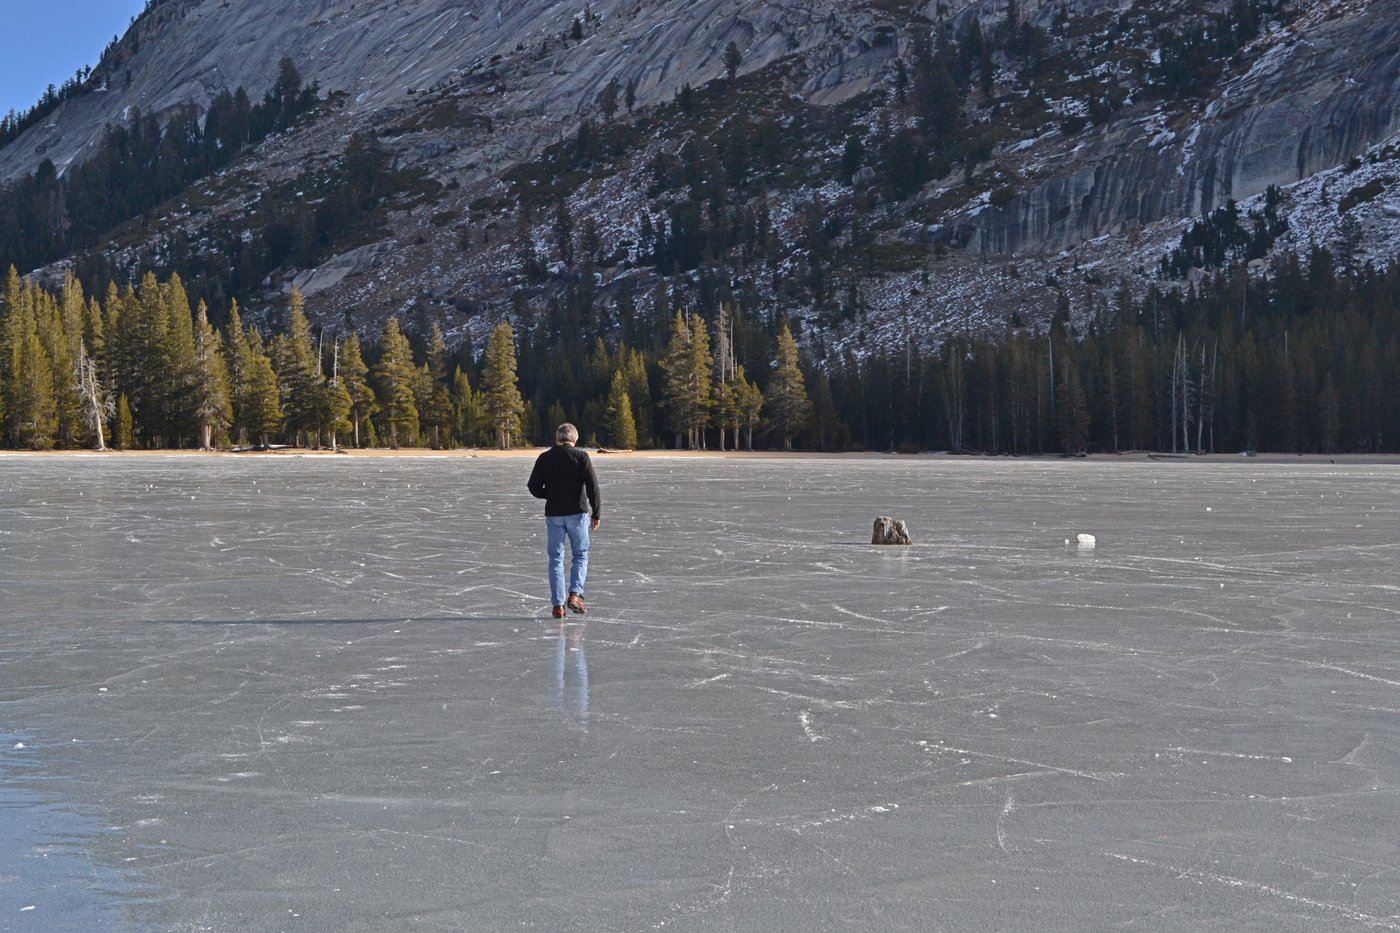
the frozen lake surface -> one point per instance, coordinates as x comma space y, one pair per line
325, 694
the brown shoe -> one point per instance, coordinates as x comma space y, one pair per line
575, 603
558, 612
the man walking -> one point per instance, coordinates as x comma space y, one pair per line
563, 477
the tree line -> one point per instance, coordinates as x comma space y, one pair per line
138, 165
1301, 359
142, 369
14, 123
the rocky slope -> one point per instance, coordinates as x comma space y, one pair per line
468, 91
1313, 95
382, 54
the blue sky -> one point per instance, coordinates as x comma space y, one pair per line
46, 41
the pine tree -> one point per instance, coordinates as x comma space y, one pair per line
660, 318
63, 342
500, 389
396, 376
175, 347
30, 409
831, 434
725, 398
236, 357
726, 411
732, 59
436, 402
109, 315
749, 401
94, 332
338, 400
299, 374
468, 415
936, 94
555, 414
1071, 415
213, 411
8, 334
788, 405
49, 321
263, 406
355, 375
607, 100
686, 392
134, 364
74, 312
123, 435
621, 423
702, 366
634, 366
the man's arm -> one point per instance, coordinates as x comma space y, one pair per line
590, 485
536, 483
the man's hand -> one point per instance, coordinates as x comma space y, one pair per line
593, 525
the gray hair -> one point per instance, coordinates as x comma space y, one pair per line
566, 434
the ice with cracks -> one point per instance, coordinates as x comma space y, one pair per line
325, 693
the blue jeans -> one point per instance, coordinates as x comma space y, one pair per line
574, 528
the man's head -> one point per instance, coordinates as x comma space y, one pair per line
566, 434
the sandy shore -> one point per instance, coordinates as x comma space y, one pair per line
530, 452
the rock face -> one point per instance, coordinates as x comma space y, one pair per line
1320, 95
467, 89
890, 531
382, 53
333, 272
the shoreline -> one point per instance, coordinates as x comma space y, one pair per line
468, 453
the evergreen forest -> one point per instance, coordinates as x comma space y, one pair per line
1302, 360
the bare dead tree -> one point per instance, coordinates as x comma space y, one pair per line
98, 404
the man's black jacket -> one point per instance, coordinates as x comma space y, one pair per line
563, 477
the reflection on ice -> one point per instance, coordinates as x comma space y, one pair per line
50, 878
569, 684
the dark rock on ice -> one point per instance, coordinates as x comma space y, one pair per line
890, 531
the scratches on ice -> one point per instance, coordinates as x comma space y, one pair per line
1007, 809
1072, 643
1004, 778
805, 718
940, 747
1267, 890
440, 737
1348, 671
810, 623
969, 650
835, 816
696, 684
856, 615
1201, 751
